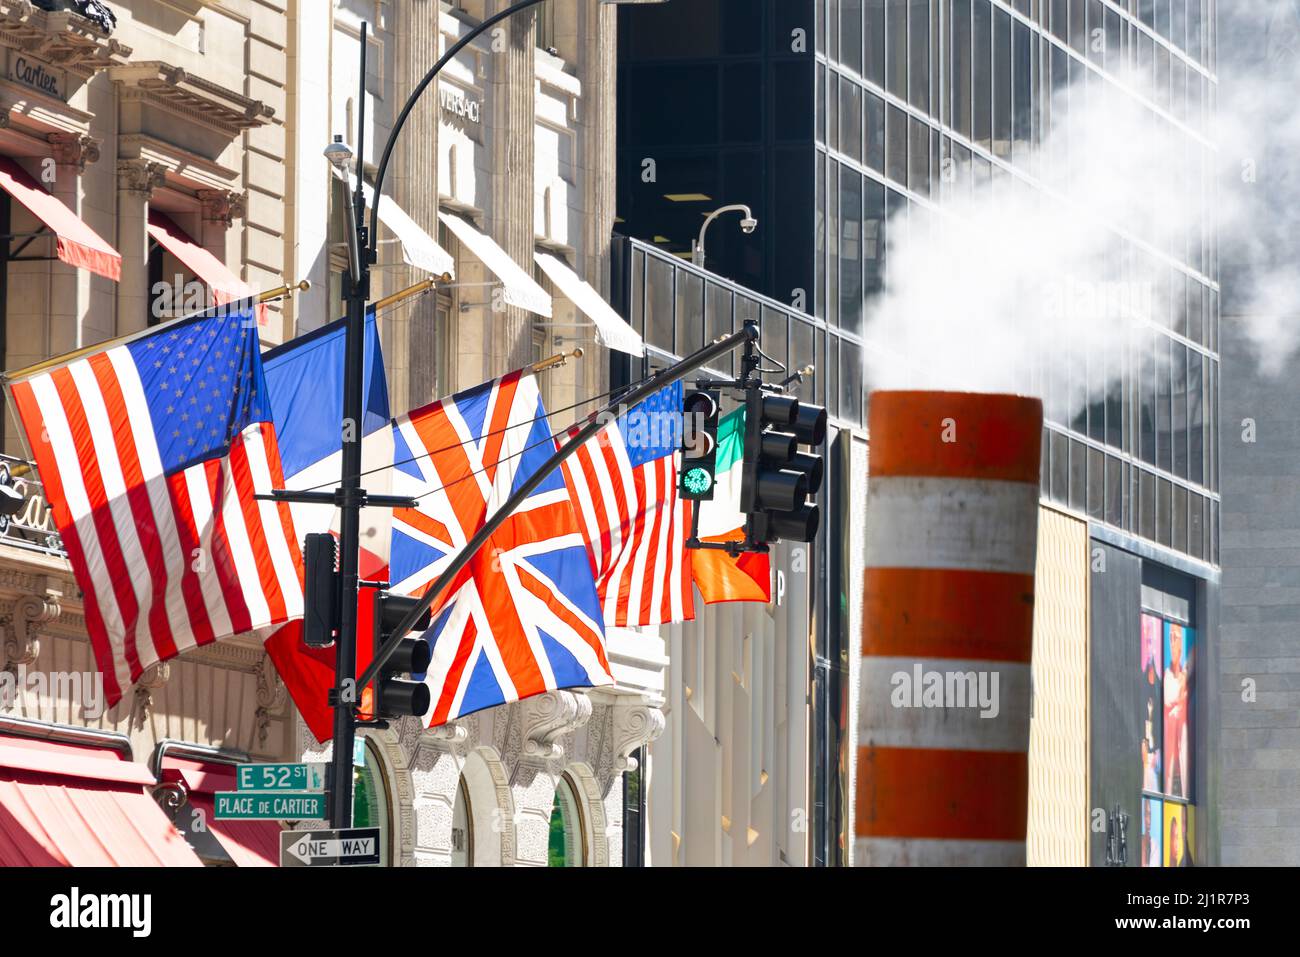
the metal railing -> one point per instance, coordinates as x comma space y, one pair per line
32, 527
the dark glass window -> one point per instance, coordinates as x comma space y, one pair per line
833, 252
873, 237
690, 312
1096, 483
982, 32
961, 66
919, 55
1022, 128
819, 240
919, 153
1147, 505
1114, 41
833, 110
874, 128
1164, 404
791, 90
742, 91
1195, 418
896, 47
851, 119
1096, 43
803, 353
1178, 420
851, 250
850, 381
896, 145
874, 68
851, 34
1002, 78
1078, 27
659, 303
1060, 19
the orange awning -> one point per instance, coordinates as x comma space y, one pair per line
72, 805
248, 843
225, 285
78, 244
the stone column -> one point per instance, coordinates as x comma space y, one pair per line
136, 180
543, 721
410, 330
221, 207
510, 218
69, 286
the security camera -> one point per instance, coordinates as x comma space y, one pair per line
748, 224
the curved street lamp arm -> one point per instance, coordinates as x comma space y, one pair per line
410, 105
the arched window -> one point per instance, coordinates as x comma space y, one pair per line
371, 804
568, 841
462, 835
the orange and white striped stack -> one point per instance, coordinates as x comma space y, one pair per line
943, 715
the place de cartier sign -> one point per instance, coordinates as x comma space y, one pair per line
37, 75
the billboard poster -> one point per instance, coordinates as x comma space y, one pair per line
1150, 665
1152, 832
1178, 655
1175, 836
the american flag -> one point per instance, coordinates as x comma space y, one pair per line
150, 452
522, 618
624, 481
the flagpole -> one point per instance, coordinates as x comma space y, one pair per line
279, 292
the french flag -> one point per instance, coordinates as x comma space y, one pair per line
304, 378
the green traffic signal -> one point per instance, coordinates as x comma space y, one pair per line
697, 481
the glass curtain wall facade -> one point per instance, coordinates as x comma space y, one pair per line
922, 101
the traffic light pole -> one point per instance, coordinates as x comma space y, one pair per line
661, 380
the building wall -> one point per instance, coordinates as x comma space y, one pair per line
1058, 728
182, 110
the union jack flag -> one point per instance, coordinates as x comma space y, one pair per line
151, 452
624, 482
522, 618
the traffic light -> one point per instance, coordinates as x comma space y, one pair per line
777, 477
397, 697
699, 446
320, 623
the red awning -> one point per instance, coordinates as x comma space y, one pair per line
249, 843
72, 805
225, 285
78, 244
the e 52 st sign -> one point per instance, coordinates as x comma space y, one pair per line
281, 777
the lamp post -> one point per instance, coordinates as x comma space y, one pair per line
747, 225
350, 498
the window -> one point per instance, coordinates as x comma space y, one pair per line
896, 46
874, 69
546, 27
462, 835
567, 843
961, 66
370, 801
634, 812
919, 54
982, 52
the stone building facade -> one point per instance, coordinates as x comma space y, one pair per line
213, 114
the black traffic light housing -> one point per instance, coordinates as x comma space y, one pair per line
698, 473
320, 624
397, 697
777, 477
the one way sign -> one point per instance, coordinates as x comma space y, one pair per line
329, 848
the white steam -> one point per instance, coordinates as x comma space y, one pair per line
1030, 289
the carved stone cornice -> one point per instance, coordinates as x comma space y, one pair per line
272, 696
222, 205
74, 149
546, 718
174, 87
22, 631
140, 176
64, 38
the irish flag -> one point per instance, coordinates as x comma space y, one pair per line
719, 576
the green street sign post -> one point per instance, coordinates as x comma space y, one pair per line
271, 805
282, 777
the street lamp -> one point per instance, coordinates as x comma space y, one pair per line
747, 225
350, 498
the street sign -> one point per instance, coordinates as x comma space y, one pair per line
271, 805
282, 777
359, 845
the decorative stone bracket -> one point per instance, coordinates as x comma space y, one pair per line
548, 717
151, 680
22, 629
222, 206
141, 176
73, 149
634, 724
